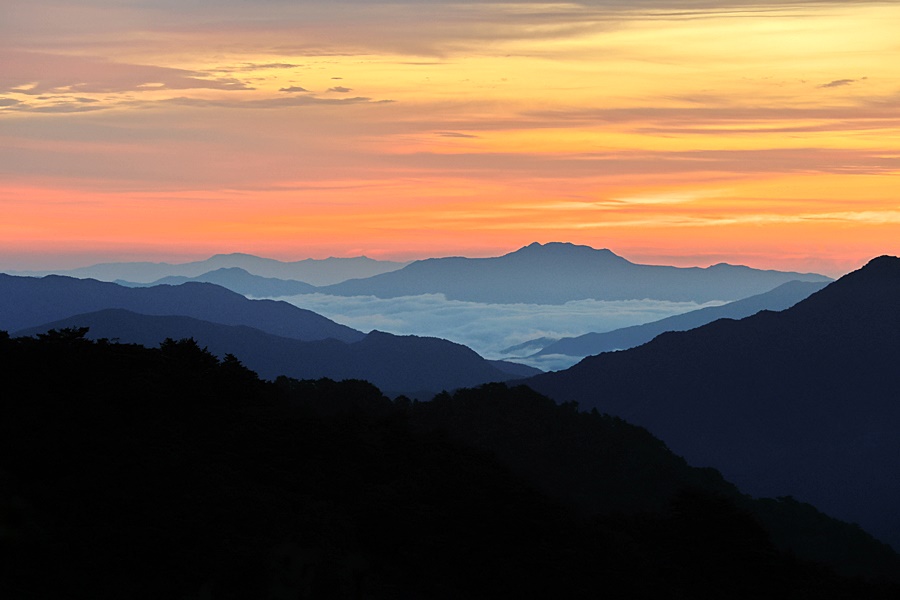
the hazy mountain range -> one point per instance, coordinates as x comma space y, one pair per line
782, 297
556, 273
237, 280
487, 304
801, 402
552, 273
29, 301
271, 337
313, 271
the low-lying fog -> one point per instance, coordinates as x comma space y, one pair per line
490, 328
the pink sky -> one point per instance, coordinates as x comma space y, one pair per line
763, 133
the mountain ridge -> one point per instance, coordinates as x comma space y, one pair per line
309, 270
29, 301
779, 298
220, 485
800, 402
558, 272
237, 280
411, 365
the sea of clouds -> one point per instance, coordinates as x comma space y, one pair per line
490, 328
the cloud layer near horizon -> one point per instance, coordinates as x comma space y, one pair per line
488, 328
425, 127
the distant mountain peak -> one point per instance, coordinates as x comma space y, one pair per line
559, 272
232, 255
560, 246
565, 249
233, 270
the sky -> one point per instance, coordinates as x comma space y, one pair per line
686, 133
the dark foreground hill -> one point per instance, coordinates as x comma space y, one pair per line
165, 473
556, 273
782, 297
28, 302
415, 366
803, 402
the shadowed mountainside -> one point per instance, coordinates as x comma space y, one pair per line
556, 273
603, 465
411, 365
28, 302
165, 473
801, 402
782, 297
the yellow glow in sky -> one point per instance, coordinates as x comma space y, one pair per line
759, 133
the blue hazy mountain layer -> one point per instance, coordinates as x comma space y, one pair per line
313, 271
238, 280
560, 272
29, 301
802, 402
782, 297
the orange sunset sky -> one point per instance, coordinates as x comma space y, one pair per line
688, 133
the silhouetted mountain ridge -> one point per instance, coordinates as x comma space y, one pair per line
167, 473
800, 402
411, 365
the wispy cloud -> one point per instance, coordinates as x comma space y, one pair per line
283, 102
66, 105
455, 134
32, 73
837, 83
275, 65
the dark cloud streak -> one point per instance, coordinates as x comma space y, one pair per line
837, 83
271, 102
455, 134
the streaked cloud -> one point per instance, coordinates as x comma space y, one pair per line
455, 134
34, 73
837, 83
